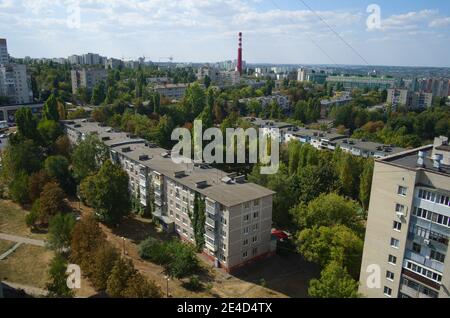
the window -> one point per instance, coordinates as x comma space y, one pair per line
247, 205
389, 275
256, 203
256, 215
437, 256
395, 243
255, 251
424, 272
416, 248
401, 190
387, 291
223, 220
246, 217
246, 230
245, 242
222, 257
399, 208
255, 239
245, 254
392, 259
255, 227
431, 216
223, 246
397, 226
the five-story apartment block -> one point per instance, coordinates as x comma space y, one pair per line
408, 226
238, 214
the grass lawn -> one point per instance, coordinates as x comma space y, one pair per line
28, 265
5, 245
12, 220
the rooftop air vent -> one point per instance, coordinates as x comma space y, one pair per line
239, 179
227, 180
420, 159
126, 149
179, 174
437, 161
144, 157
106, 138
201, 184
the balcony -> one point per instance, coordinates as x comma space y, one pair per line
419, 259
211, 209
210, 222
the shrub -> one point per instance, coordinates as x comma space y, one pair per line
194, 283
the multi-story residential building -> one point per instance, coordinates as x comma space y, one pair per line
281, 100
15, 83
367, 149
409, 99
8, 112
113, 63
309, 75
408, 226
87, 78
238, 214
351, 82
172, 91
4, 56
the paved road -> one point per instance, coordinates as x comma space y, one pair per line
10, 251
20, 239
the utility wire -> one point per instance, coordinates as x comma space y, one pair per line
309, 36
334, 31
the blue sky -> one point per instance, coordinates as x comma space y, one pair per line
411, 32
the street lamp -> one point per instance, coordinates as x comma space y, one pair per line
167, 285
123, 246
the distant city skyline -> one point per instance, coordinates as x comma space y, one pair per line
410, 33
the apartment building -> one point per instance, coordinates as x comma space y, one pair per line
281, 100
15, 83
86, 78
409, 99
4, 56
408, 226
238, 214
351, 82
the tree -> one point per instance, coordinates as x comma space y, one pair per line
60, 232
49, 131
108, 192
87, 236
88, 157
334, 282
121, 274
328, 210
36, 183
26, 123
18, 188
104, 259
57, 286
63, 147
52, 202
366, 183
98, 93
51, 108
139, 287
57, 167
198, 219
338, 243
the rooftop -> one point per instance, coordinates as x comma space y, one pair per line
202, 178
369, 146
409, 159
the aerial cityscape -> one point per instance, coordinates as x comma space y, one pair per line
224, 149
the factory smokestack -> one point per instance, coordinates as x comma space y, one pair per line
239, 60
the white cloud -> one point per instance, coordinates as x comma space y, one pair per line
440, 22
407, 21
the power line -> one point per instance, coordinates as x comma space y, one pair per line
334, 31
310, 38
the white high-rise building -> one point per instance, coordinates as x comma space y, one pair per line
4, 56
15, 84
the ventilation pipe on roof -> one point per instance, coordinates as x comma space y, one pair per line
420, 159
437, 159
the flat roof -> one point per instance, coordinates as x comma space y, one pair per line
370, 146
408, 159
228, 194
